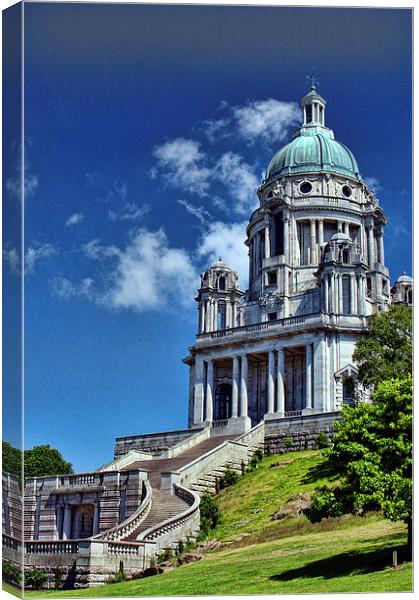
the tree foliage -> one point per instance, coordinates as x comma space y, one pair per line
12, 459
210, 513
385, 351
372, 454
44, 460
39, 461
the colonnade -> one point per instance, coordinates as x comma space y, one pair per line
66, 514
332, 296
208, 314
275, 405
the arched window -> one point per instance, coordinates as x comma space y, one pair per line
346, 292
223, 402
222, 283
309, 113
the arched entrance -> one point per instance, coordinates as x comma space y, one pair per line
223, 395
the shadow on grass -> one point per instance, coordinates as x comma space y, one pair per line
347, 563
320, 471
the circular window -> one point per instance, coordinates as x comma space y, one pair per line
305, 187
346, 191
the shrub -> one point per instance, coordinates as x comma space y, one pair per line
35, 579
288, 442
57, 578
180, 547
119, 575
230, 477
210, 513
11, 573
255, 460
322, 440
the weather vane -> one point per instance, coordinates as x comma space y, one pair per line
313, 79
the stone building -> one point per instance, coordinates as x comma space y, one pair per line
270, 366
316, 272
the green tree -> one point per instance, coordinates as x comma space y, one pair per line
372, 455
12, 459
44, 460
385, 351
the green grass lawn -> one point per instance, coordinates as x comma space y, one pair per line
347, 554
11, 589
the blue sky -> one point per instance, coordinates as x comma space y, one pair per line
147, 131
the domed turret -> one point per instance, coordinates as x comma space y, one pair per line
218, 298
402, 290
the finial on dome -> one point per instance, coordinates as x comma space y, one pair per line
313, 79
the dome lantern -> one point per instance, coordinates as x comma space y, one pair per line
313, 106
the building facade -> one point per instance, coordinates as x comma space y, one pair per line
316, 272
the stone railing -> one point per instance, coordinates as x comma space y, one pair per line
126, 460
200, 436
52, 547
254, 436
83, 479
256, 327
180, 525
10, 542
220, 423
125, 548
293, 413
124, 529
206, 463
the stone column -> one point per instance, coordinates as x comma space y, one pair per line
340, 294
67, 522
381, 246
60, 516
271, 382
333, 367
371, 257
199, 390
321, 236
243, 387
215, 315
234, 323
202, 313
228, 314
257, 253
208, 316
309, 378
346, 228
280, 391
333, 294
286, 238
325, 294
210, 383
352, 304
235, 391
96, 518
76, 523
312, 242
267, 242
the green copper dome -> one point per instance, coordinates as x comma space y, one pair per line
313, 149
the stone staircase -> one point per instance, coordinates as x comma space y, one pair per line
163, 507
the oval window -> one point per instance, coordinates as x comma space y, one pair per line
305, 187
346, 191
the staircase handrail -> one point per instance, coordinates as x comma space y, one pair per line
124, 529
253, 435
176, 521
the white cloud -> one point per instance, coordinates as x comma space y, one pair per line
132, 212
373, 183
14, 185
11, 256
226, 241
269, 120
64, 288
35, 252
74, 219
146, 274
239, 179
182, 164
197, 211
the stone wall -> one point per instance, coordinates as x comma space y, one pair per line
153, 443
298, 433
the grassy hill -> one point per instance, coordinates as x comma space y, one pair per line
259, 555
